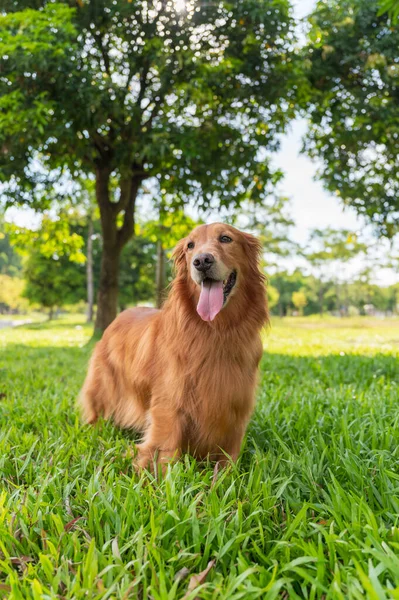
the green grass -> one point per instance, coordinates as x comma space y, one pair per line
310, 511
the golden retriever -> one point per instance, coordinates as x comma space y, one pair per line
185, 375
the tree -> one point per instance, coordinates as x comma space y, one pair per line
10, 261
331, 248
11, 289
190, 99
271, 223
52, 281
89, 268
288, 283
299, 301
82, 213
171, 226
272, 296
354, 108
137, 273
54, 269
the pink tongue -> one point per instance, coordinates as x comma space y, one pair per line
211, 300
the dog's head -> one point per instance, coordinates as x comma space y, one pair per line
218, 261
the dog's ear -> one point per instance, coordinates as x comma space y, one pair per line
253, 249
179, 257
253, 246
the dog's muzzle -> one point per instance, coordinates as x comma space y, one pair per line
203, 262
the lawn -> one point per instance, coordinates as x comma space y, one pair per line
311, 510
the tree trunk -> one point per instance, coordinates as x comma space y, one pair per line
160, 280
89, 271
321, 299
114, 239
346, 300
107, 297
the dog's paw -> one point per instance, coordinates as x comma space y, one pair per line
143, 458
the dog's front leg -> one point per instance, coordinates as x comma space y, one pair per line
231, 446
163, 438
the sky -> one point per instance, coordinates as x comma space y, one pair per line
311, 206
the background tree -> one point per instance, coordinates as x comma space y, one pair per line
83, 215
140, 90
171, 226
272, 296
330, 249
54, 270
137, 272
53, 281
11, 294
354, 106
271, 222
299, 301
10, 261
286, 284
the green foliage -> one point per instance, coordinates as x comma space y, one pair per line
333, 245
329, 250
354, 81
172, 226
137, 274
54, 269
11, 289
32, 43
53, 239
53, 281
299, 300
193, 100
289, 283
187, 97
272, 296
339, 298
391, 7
271, 223
10, 261
310, 511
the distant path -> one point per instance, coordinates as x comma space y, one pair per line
4, 324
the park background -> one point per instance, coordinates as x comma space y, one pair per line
124, 124
322, 255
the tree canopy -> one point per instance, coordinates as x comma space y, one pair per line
353, 71
190, 97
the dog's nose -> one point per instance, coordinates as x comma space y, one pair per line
203, 262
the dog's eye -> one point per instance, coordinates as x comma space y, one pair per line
190, 245
225, 239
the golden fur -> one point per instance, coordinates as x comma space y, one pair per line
188, 385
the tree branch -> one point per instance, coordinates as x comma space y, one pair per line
165, 87
104, 54
143, 82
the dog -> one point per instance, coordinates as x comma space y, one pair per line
185, 376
